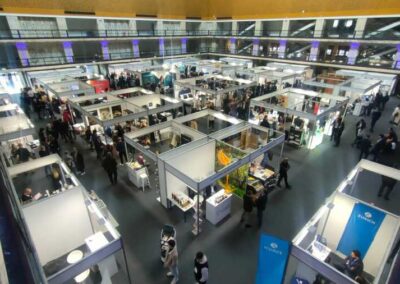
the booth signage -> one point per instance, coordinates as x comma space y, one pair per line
361, 229
272, 258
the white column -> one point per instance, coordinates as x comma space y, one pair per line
360, 27
69, 53
101, 27
159, 28
13, 24
182, 28
235, 28
258, 29
285, 28
135, 47
23, 54
282, 48
62, 26
319, 27
132, 27
353, 53
256, 47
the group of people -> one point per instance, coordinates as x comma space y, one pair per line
123, 80
171, 263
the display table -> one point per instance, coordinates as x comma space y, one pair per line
167, 116
262, 173
218, 206
134, 172
319, 250
182, 201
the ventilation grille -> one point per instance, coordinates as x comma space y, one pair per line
80, 13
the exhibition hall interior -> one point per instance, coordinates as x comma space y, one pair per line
199, 141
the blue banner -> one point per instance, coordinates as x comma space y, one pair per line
361, 229
272, 258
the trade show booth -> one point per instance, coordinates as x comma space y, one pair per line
152, 141
345, 224
70, 230
305, 116
55, 75
133, 66
68, 89
220, 172
16, 128
388, 81
151, 76
208, 121
201, 92
245, 63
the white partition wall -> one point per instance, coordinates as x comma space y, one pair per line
69, 217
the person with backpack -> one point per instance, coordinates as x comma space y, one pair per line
201, 268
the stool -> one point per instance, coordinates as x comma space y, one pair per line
145, 180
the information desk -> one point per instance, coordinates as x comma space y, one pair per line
218, 206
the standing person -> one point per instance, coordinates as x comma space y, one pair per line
387, 183
201, 268
283, 170
43, 152
365, 145
378, 147
396, 115
375, 115
79, 161
261, 204
360, 126
110, 166
120, 147
247, 206
171, 261
338, 127
22, 154
97, 144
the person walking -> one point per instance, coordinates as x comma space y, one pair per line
375, 115
261, 204
378, 147
171, 262
120, 147
338, 127
247, 206
365, 145
360, 127
396, 115
283, 173
110, 166
387, 183
201, 268
79, 161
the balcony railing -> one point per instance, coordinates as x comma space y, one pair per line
74, 34
113, 56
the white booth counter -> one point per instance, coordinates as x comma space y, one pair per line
5, 98
388, 81
219, 166
343, 224
72, 233
64, 90
305, 115
199, 92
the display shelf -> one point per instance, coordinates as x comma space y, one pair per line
262, 174
184, 198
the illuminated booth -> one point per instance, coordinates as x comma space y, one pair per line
344, 224
70, 230
305, 116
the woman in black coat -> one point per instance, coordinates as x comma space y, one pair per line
79, 161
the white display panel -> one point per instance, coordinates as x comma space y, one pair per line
336, 225
58, 224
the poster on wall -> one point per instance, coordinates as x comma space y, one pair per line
361, 229
273, 255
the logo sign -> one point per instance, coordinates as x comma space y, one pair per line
272, 258
361, 229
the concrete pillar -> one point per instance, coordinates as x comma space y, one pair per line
101, 27
282, 48
182, 28
159, 28
258, 29
285, 27
360, 27
104, 50
13, 24
69, 53
319, 27
161, 46
235, 28
23, 54
135, 47
256, 47
62, 26
397, 58
184, 45
314, 51
353, 53
232, 45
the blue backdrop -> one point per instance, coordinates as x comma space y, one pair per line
272, 258
361, 228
